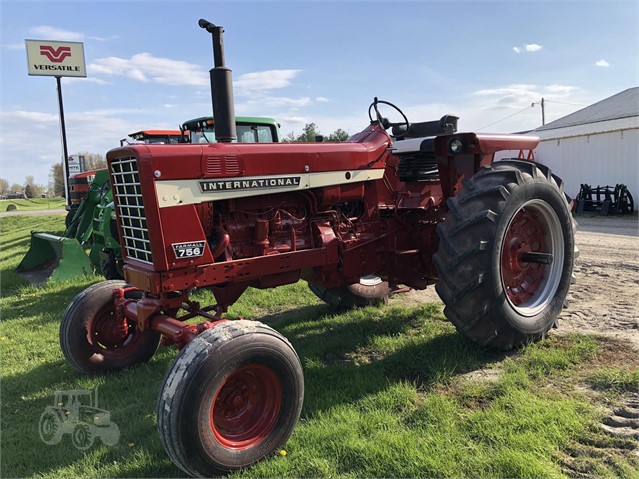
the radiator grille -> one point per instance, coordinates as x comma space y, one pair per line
126, 187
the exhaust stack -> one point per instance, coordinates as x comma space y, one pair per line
221, 87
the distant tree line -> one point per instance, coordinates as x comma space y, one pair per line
93, 161
31, 189
310, 133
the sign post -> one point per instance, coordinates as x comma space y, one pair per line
58, 59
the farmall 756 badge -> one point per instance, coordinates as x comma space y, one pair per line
188, 250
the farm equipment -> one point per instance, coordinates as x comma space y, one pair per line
90, 223
164, 137
605, 200
399, 204
250, 129
58, 258
76, 412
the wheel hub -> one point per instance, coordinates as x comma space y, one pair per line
531, 257
525, 235
246, 407
110, 336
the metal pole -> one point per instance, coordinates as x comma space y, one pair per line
65, 153
543, 113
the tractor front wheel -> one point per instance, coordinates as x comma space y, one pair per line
231, 398
506, 254
369, 291
82, 437
93, 340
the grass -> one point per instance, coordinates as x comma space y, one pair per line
28, 204
390, 392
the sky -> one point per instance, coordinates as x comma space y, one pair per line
488, 62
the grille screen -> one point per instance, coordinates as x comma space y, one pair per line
126, 187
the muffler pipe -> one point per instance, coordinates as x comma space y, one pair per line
221, 87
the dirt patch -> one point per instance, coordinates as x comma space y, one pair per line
605, 298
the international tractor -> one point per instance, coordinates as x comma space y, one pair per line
399, 205
90, 241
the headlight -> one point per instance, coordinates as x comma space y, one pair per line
455, 146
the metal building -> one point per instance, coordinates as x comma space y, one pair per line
597, 145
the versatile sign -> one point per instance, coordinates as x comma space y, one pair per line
76, 164
57, 59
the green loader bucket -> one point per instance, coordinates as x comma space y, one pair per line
54, 258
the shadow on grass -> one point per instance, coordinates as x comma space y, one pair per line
19, 300
421, 359
130, 396
430, 351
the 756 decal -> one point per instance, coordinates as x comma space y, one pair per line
188, 250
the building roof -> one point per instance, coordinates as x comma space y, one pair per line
622, 105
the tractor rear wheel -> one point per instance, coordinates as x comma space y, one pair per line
49, 427
109, 346
369, 291
506, 254
231, 398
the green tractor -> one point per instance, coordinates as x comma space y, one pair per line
90, 242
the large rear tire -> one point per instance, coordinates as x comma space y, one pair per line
506, 254
232, 397
108, 348
369, 291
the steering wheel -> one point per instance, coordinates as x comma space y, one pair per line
383, 121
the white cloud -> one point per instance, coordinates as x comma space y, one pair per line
45, 32
321, 99
266, 80
99, 81
529, 47
602, 63
515, 90
147, 68
14, 46
51, 33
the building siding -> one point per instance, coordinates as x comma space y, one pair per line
598, 159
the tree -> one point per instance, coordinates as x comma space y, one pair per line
31, 189
290, 138
16, 187
56, 180
4, 187
338, 136
311, 132
29, 182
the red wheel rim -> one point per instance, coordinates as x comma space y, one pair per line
109, 337
525, 234
534, 232
246, 407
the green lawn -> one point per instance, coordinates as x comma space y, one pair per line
390, 392
28, 204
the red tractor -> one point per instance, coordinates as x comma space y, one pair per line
422, 205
